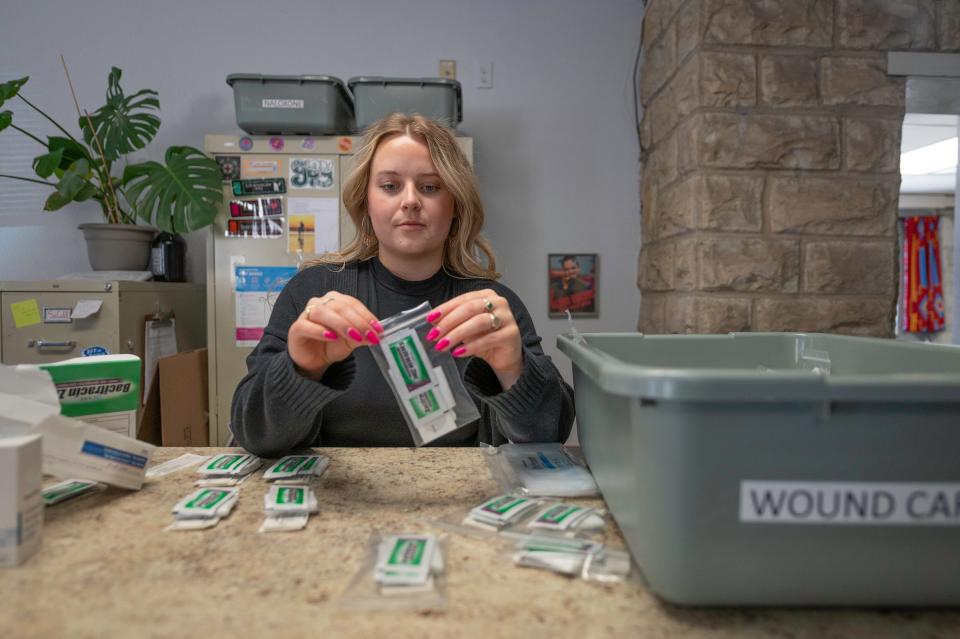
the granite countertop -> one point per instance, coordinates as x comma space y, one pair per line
107, 568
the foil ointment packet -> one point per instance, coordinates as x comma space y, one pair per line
297, 466
67, 489
203, 508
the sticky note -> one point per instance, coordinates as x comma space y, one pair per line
25, 313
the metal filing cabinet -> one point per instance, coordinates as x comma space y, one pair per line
118, 327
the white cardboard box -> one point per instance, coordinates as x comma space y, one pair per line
21, 502
73, 448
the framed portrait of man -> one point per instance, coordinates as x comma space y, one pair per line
573, 284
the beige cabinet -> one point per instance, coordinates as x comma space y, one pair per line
36, 324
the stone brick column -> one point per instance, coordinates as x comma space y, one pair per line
771, 137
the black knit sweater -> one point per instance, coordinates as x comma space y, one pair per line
276, 409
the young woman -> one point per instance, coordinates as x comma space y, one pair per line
312, 381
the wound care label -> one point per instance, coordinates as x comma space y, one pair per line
850, 503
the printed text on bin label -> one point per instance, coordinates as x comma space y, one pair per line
845, 503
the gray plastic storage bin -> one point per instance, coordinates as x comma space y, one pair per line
778, 469
291, 104
437, 98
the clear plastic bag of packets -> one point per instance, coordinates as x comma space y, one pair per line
539, 470
588, 560
520, 516
425, 382
400, 572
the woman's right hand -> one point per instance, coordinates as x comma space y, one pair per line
328, 330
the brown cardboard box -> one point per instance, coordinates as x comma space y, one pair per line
176, 410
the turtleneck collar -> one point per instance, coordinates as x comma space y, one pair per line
386, 278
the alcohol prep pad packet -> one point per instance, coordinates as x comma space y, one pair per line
425, 382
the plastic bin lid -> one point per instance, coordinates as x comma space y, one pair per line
302, 79
368, 79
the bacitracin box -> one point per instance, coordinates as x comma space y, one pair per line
103, 390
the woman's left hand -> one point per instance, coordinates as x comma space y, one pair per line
480, 323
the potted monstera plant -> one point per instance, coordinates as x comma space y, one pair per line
179, 195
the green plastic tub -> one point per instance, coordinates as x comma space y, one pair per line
777, 469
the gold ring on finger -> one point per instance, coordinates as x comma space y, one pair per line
487, 304
495, 322
306, 311
329, 299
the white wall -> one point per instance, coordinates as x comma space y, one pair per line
556, 149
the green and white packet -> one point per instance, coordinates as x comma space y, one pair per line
207, 503
297, 467
562, 517
289, 500
68, 489
230, 465
407, 560
501, 510
288, 508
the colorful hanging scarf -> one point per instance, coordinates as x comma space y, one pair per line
921, 291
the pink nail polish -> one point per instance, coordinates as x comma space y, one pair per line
442, 344
433, 334
376, 326
460, 351
330, 335
372, 338
355, 334
434, 316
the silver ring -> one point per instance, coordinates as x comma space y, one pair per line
495, 322
487, 304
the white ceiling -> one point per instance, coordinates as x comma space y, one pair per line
920, 130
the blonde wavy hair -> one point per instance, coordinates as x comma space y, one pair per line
466, 253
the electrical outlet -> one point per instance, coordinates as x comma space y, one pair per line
485, 75
448, 69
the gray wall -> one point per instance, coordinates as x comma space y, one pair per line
556, 150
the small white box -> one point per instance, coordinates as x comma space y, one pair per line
21, 503
73, 448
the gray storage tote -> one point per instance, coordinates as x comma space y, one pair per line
778, 469
437, 98
291, 104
